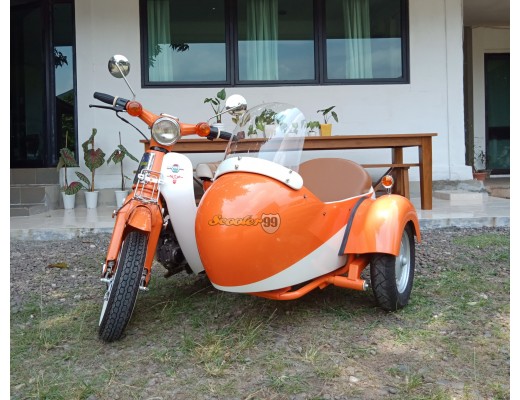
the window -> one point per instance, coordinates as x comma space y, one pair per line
273, 42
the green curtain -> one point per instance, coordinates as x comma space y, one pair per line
159, 53
262, 40
357, 34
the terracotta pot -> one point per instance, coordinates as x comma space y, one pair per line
480, 175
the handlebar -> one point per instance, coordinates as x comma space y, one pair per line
109, 99
135, 109
216, 133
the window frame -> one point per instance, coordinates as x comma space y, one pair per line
320, 54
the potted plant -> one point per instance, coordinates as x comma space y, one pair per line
94, 158
117, 157
326, 127
68, 190
480, 172
313, 128
217, 104
265, 122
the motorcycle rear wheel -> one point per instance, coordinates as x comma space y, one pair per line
121, 294
392, 277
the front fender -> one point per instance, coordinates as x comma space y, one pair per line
378, 224
141, 219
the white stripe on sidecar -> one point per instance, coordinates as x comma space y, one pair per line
321, 261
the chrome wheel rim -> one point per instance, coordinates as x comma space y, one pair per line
402, 264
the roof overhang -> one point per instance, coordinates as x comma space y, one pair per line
486, 13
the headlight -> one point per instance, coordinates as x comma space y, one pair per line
166, 131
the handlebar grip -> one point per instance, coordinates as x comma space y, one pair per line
216, 133
109, 99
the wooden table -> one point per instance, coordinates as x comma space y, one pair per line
395, 142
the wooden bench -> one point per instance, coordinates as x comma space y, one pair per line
395, 142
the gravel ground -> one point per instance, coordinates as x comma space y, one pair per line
69, 270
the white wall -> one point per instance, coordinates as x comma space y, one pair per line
432, 102
484, 40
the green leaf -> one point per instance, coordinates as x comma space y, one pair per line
94, 159
73, 188
89, 141
116, 157
67, 158
127, 153
222, 94
83, 178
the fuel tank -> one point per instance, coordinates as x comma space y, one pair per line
255, 233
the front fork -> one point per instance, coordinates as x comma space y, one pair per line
140, 212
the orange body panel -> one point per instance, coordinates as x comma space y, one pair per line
250, 227
378, 225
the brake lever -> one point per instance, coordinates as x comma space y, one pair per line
112, 108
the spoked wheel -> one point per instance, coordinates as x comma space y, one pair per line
392, 277
121, 294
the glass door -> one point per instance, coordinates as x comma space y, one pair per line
43, 100
497, 112
28, 121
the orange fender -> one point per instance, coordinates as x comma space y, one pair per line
378, 224
140, 218
144, 217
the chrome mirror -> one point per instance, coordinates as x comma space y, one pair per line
119, 67
236, 105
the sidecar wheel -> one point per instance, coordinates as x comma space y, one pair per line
392, 277
121, 294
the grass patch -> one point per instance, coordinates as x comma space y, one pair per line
186, 340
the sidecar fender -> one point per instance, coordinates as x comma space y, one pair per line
376, 225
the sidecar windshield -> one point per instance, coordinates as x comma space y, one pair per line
272, 131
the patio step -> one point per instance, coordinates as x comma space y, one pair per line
33, 191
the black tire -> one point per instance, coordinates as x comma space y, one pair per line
121, 294
392, 277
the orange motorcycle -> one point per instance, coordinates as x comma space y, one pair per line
268, 223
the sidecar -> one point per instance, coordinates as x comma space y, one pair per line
273, 226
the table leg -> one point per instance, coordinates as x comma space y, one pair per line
425, 172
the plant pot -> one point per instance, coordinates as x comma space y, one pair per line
91, 198
312, 133
69, 201
326, 129
120, 197
270, 130
480, 175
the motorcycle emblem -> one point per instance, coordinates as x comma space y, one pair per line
175, 169
271, 222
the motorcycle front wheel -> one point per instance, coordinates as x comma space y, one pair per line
121, 294
392, 277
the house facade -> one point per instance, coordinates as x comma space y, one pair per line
388, 66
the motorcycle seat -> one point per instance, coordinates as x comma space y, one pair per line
335, 179
206, 171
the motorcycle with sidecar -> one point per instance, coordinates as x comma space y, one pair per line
268, 224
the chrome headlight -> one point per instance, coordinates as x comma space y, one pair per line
166, 131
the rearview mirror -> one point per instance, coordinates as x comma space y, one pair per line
119, 66
236, 105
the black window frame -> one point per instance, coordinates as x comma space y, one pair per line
320, 78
